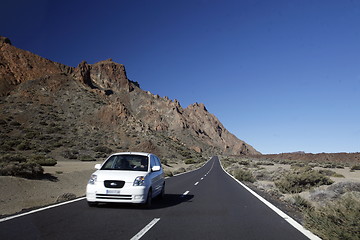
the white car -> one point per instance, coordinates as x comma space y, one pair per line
129, 177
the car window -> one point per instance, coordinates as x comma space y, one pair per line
126, 162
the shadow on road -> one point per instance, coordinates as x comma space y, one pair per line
169, 200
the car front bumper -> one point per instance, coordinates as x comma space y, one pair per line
127, 194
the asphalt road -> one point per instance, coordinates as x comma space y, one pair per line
203, 204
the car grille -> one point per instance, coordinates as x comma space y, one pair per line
113, 196
114, 184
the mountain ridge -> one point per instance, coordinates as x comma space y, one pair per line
97, 99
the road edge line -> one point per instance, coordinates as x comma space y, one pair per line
286, 217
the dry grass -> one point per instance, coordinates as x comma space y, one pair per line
336, 220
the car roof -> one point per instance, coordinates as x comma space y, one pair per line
133, 153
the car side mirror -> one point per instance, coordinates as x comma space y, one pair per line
155, 168
97, 166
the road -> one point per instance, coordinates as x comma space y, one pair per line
203, 204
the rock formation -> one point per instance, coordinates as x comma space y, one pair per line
98, 99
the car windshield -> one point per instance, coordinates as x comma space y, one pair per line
126, 162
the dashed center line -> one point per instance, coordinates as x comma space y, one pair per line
145, 229
185, 193
196, 183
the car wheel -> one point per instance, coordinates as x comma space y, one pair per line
162, 193
92, 204
148, 199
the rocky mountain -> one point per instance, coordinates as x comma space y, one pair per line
88, 111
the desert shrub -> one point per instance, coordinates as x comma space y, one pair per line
330, 173
101, 155
225, 164
13, 158
321, 195
65, 197
355, 167
300, 203
43, 161
54, 129
244, 175
185, 153
15, 123
329, 165
299, 164
244, 162
21, 169
301, 179
86, 158
24, 146
103, 149
343, 187
165, 162
262, 174
13, 143
336, 220
180, 170
265, 163
6, 147
190, 161
70, 154
284, 161
168, 173
30, 134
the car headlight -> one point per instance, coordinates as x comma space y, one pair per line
93, 178
139, 181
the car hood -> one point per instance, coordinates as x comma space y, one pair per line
120, 175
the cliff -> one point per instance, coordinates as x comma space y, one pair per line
96, 105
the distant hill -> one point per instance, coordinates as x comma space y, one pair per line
89, 111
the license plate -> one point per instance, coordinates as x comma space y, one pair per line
112, 191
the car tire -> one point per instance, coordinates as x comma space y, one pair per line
148, 200
162, 193
92, 204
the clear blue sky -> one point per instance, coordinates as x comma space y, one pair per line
282, 75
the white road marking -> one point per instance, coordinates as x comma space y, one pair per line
196, 183
185, 193
202, 178
40, 209
145, 229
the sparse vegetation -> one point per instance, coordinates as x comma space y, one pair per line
301, 203
168, 173
355, 167
103, 149
330, 173
178, 171
336, 220
43, 161
190, 161
301, 179
244, 175
86, 158
14, 165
